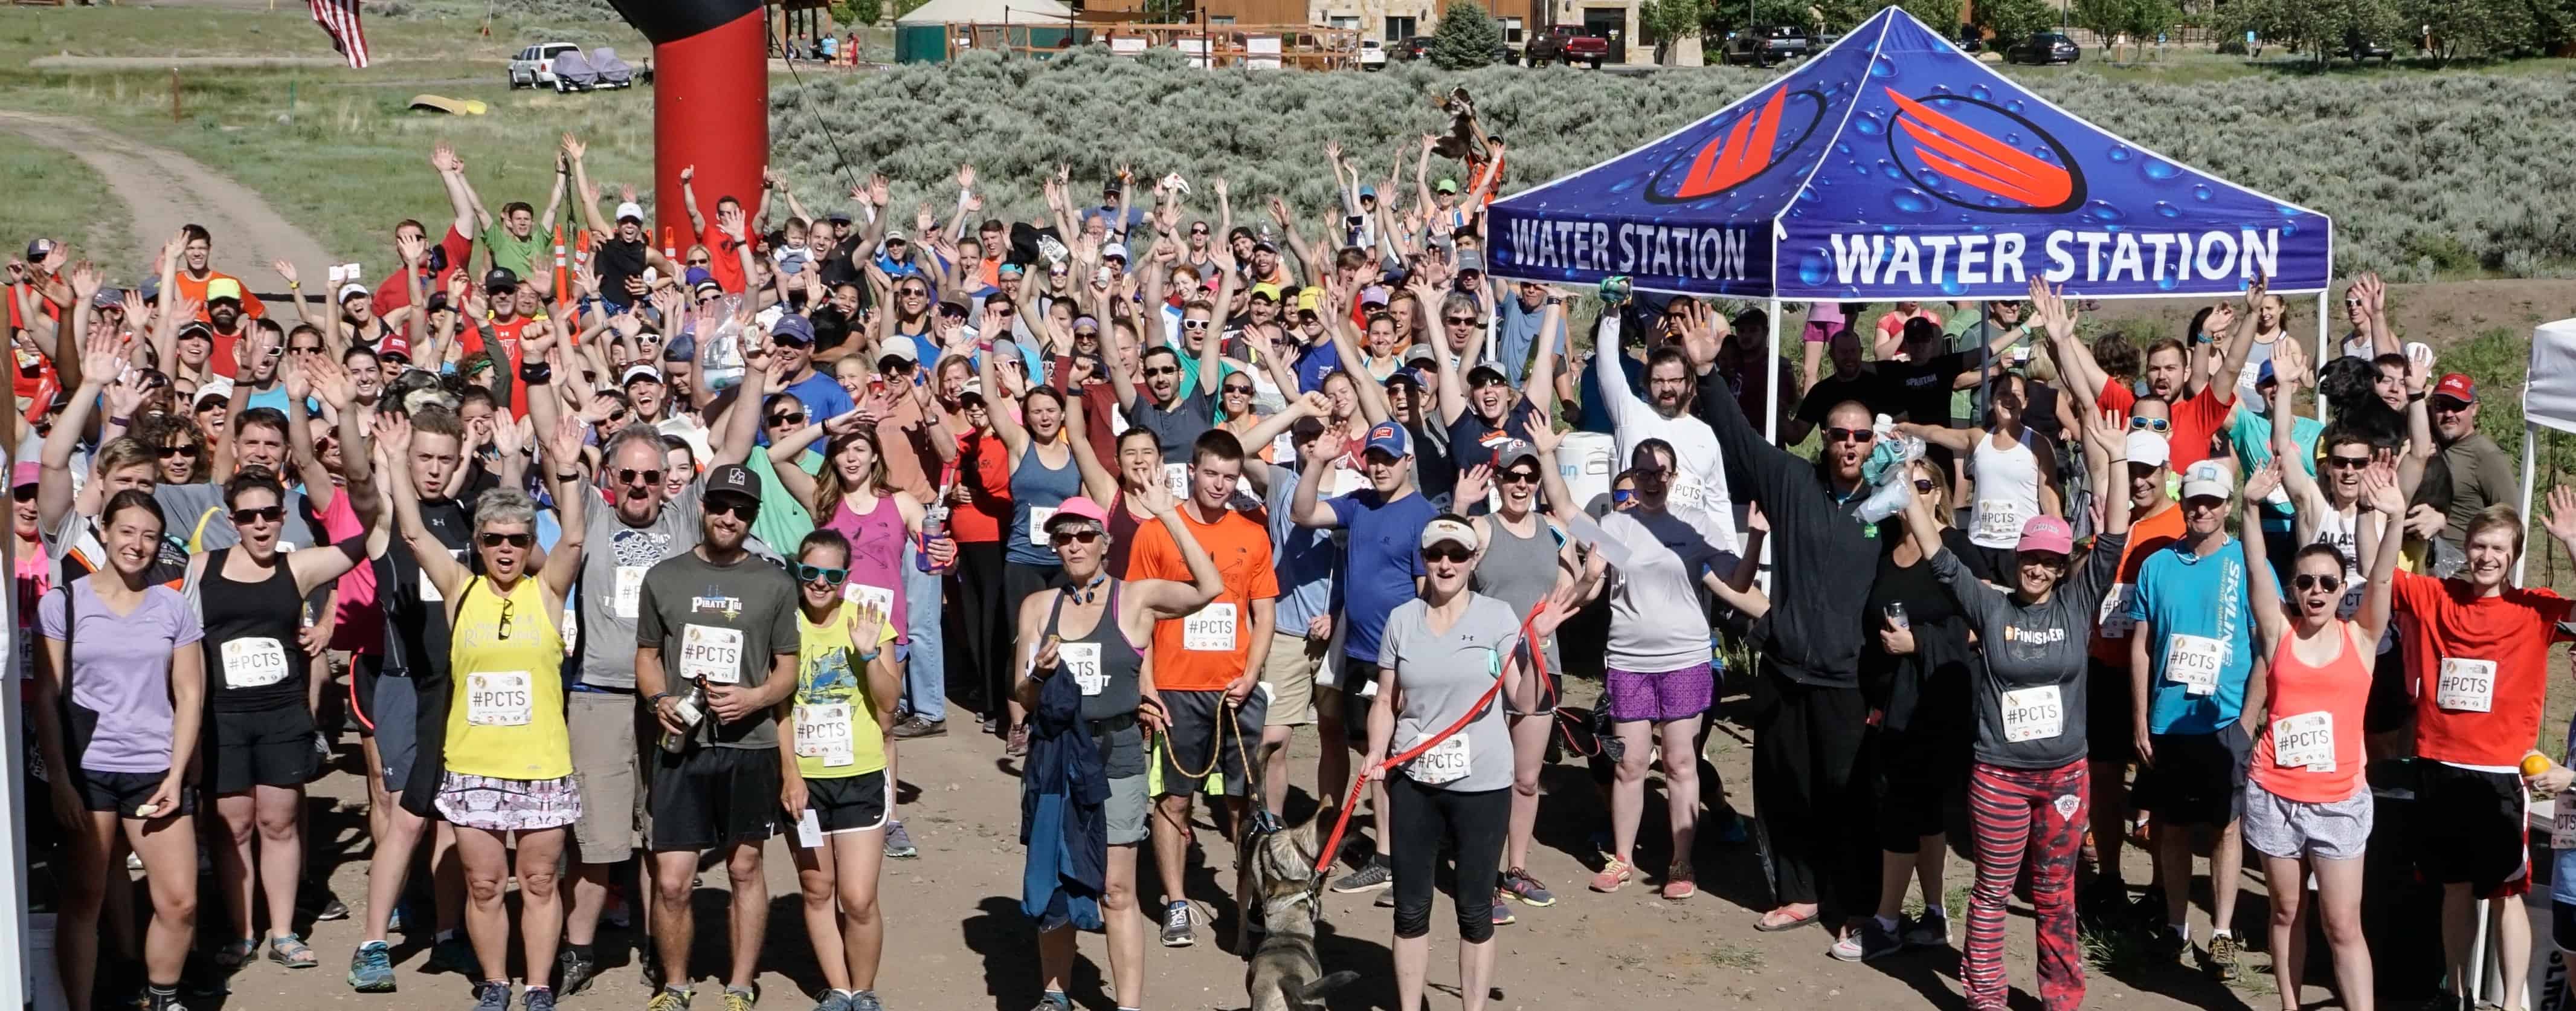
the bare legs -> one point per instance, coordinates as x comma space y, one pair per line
272, 815
839, 882
2339, 894
1126, 936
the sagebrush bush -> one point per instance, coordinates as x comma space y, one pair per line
2424, 174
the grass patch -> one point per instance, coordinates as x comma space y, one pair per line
1734, 956
2117, 952
89, 225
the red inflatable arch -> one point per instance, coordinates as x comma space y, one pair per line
710, 102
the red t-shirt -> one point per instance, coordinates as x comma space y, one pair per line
2112, 624
2117, 396
986, 470
219, 356
2478, 666
724, 258
392, 294
2195, 421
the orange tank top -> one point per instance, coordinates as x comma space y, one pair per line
2309, 748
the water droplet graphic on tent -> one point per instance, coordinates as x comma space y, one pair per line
1812, 268
2168, 282
1981, 93
2121, 153
1910, 201
2166, 210
1950, 285
1890, 170
2100, 210
2013, 106
1881, 66
1623, 186
1994, 201
2160, 170
2201, 191
1867, 123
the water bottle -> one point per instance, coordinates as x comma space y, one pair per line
934, 527
1896, 614
693, 708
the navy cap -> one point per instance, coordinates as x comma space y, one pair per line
680, 348
792, 325
1389, 438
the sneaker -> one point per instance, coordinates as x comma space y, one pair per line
574, 970
538, 998
454, 954
492, 995
833, 1000
739, 999
1869, 943
865, 1000
915, 727
898, 843
1614, 873
315, 898
993, 725
1679, 883
667, 999
1517, 884
2222, 958
162, 1001
1019, 745
1503, 910
1931, 930
371, 968
1374, 875
1176, 926
1049, 1002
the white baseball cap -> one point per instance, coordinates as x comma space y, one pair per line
630, 209
2207, 479
2147, 448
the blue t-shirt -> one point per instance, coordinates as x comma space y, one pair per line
1517, 337
823, 397
2251, 435
274, 398
1302, 557
1313, 364
2200, 612
1380, 562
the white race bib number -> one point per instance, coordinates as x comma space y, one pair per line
1176, 476
2033, 714
628, 589
2562, 830
499, 698
2305, 739
1038, 517
2114, 619
429, 589
1211, 630
2466, 686
711, 653
823, 731
254, 663
2351, 604
2192, 661
1999, 520
1446, 762
1082, 660
878, 597
571, 630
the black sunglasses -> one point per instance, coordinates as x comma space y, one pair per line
649, 476
818, 574
1064, 537
699, 261
188, 450
914, 293
744, 511
508, 605
265, 514
1163, 370
1447, 553
790, 418
2306, 581
789, 340
23, 493
2348, 462
1850, 435
513, 540
1459, 320
1923, 484
1233, 390
1520, 477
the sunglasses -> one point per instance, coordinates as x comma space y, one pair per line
617, 415
1163, 370
792, 418
265, 514
914, 293
744, 511
1850, 435
1005, 311
23, 493
508, 605
1447, 553
2156, 425
1232, 390
1923, 485
1459, 320
698, 261
647, 476
1198, 231
277, 352
818, 574
1650, 473
513, 540
1194, 324
2348, 462
1061, 538
2305, 581
1520, 477
188, 451
790, 341
307, 349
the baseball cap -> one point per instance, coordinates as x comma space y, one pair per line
1448, 530
2457, 387
218, 388
1482, 371
635, 372
1368, 192
501, 279
151, 289
225, 287
901, 348
680, 348
895, 235
394, 346
707, 289
1264, 246
351, 289
734, 479
1117, 249
1511, 451
1079, 507
2206, 479
1266, 292
1374, 294
2046, 533
196, 327
696, 276
1409, 377
107, 298
2264, 374
2145, 448
1419, 353
630, 209
38, 249
1446, 186
1310, 300
1389, 438
792, 325
1471, 262
23, 473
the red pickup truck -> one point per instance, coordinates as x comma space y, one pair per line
1567, 44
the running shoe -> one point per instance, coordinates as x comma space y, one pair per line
574, 970
1503, 910
1049, 1002
898, 843
667, 999
316, 900
739, 999
1519, 885
371, 968
1385, 899
2222, 958
833, 1000
1176, 926
1371, 876
1930, 930
913, 727
492, 995
1869, 943
865, 1000
1679, 882
538, 998
1614, 873
1019, 746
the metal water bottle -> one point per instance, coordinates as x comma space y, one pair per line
693, 708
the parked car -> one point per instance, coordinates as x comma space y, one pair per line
1372, 54
1567, 44
534, 66
2360, 48
1766, 46
1413, 47
2043, 48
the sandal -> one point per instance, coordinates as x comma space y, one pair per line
290, 951
1768, 926
232, 955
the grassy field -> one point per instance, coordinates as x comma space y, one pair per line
35, 168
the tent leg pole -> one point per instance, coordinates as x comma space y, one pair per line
2321, 358
1771, 379
2530, 472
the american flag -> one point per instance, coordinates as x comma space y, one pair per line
340, 18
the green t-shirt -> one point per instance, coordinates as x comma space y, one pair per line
518, 255
783, 522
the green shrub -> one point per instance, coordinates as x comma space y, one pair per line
1466, 37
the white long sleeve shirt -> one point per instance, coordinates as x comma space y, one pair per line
1700, 484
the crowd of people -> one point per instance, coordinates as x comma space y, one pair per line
622, 566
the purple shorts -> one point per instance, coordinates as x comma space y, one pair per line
1667, 695
1819, 333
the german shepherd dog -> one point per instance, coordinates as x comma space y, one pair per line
1276, 882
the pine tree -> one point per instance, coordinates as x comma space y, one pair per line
1466, 38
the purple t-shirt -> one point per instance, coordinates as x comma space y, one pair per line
121, 672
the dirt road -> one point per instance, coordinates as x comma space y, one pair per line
166, 189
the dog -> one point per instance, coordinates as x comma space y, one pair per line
1458, 140
1276, 882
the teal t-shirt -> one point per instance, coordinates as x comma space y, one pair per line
2202, 618
2251, 435
782, 523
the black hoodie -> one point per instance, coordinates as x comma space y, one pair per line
1823, 560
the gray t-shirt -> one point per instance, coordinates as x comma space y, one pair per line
1439, 676
723, 623
614, 559
2030, 689
1180, 426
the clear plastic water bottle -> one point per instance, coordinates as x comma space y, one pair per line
934, 528
693, 708
1896, 614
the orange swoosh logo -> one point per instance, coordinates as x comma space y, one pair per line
1971, 158
1737, 156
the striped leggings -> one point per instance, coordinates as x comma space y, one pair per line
2038, 813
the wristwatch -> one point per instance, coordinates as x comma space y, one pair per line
2416, 396
656, 700
1553, 300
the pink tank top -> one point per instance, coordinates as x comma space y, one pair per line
2309, 747
876, 556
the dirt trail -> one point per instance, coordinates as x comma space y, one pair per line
166, 189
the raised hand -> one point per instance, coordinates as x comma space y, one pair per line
2222, 319
1157, 497
688, 173
2254, 292
923, 220
2289, 365
2262, 481
966, 176
1279, 211
136, 310
84, 279
1219, 184
126, 394
880, 190
393, 436
102, 358
411, 248
2379, 491
329, 380
443, 158
563, 449
508, 437
729, 221
572, 146
1473, 485
1333, 151
2561, 523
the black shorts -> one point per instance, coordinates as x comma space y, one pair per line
2196, 779
122, 792
2390, 706
1356, 676
1914, 773
271, 747
364, 669
709, 796
2110, 715
1187, 762
850, 803
2470, 826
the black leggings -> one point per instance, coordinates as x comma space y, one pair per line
985, 628
1473, 824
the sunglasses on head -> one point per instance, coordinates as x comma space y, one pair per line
2348, 462
265, 514
513, 540
1446, 553
188, 450
1064, 537
789, 418
741, 510
1850, 435
2156, 425
818, 574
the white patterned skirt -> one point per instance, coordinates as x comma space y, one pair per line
508, 805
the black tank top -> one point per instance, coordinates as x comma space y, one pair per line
254, 662
1110, 669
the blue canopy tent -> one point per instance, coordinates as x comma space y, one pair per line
1893, 166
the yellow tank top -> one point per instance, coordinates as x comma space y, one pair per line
836, 720
505, 712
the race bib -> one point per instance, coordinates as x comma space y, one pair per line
2466, 686
2192, 661
499, 698
711, 653
823, 731
1446, 762
254, 663
2114, 621
2305, 739
629, 587
1038, 517
571, 630
1082, 660
1176, 476
2033, 714
1211, 630
2562, 830
429, 589
864, 595
1999, 519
